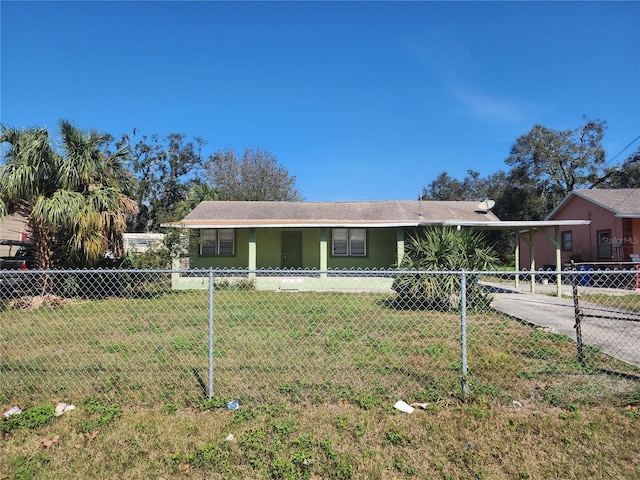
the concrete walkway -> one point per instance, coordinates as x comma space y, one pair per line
616, 332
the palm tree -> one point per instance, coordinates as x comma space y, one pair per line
99, 183
74, 200
26, 176
441, 250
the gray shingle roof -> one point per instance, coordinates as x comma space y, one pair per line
621, 201
379, 213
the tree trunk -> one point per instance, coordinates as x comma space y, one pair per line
42, 239
42, 244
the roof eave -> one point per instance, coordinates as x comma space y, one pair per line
511, 224
578, 193
346, 224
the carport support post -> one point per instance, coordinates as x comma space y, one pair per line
210, 333
463, 332
252, 254
324, 262
399, 244
532, 265
556, 243
558, 262
517, 255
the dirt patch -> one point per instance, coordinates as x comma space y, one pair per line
34, 302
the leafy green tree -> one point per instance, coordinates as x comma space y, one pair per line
546, 165
445, 187
73, 198
471, 188
626, 175
166, 170
254, 176
443, 250
562, 160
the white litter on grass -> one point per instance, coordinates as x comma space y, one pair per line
12, 411
63, 408
403, 407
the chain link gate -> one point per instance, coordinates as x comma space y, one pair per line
607, 317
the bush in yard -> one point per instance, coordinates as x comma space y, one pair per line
153, 259
444, 249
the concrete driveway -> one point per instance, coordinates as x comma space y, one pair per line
616, 332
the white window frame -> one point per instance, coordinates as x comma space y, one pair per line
349, 242
219, 242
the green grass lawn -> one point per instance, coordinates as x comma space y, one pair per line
316, 375
270, 347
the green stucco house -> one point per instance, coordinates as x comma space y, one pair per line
314, 235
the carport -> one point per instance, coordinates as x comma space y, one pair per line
525, 230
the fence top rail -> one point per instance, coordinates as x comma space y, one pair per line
354, 272
636, 264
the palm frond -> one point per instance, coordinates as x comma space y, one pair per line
62, 210
28, 163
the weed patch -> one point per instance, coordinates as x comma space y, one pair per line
27, 468
31, 418
99, 415
398, 437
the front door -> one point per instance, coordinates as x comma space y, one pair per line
291, 250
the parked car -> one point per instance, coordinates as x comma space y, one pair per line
20, 258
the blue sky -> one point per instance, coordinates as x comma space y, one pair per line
358, 100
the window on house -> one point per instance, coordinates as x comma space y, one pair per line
566, 240
604, 244
349, 242
217, 241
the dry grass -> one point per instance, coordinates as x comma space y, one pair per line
38, 301
459, 441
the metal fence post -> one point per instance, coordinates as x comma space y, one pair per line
577, 313
463, 331
211, 325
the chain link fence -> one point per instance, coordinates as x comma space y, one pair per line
161, 336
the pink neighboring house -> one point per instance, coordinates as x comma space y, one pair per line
612, 236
